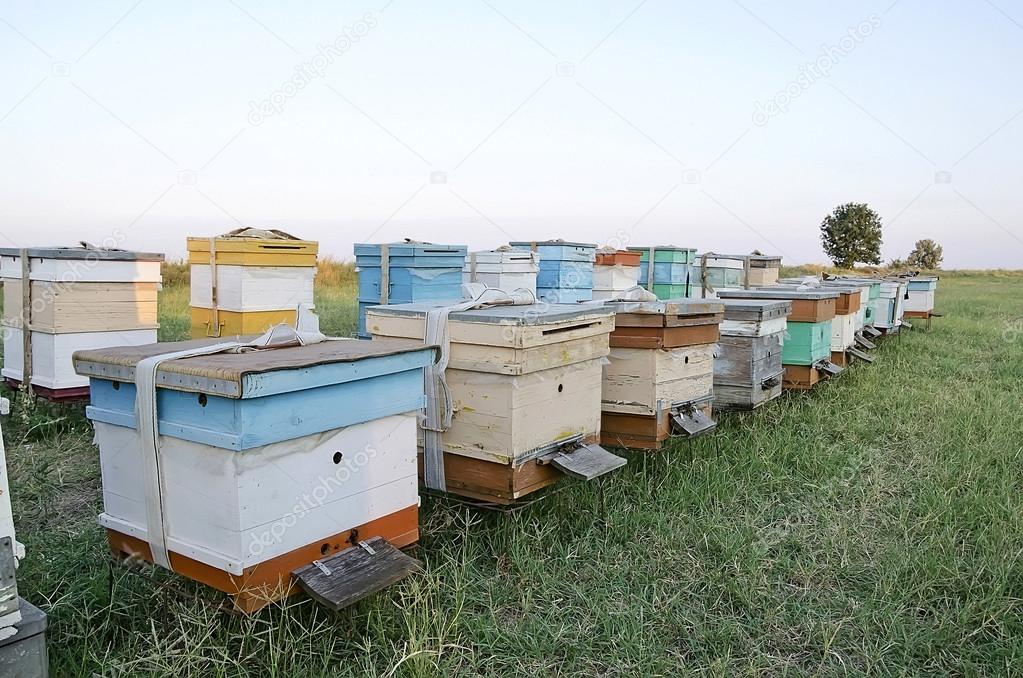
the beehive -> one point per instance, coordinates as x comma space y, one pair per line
658, 381
720, 271
748, 370
672, 275
847, 321
266, 460
76, 298
407, 272
248, 280
566, 270
524, 382
615, 272
504, 269
806, 351
920, 301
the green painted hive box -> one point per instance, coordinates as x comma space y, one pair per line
667, 254
806, 343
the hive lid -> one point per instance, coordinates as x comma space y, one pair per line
255, 240
754, 309
778, 293
410, 248
691, 307
88, 253
225, 374
535, 314
528, 244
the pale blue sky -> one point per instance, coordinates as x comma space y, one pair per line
134, 118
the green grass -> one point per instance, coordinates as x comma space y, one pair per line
874, 525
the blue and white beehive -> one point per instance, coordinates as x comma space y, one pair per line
566, 270
407, 272
266, 460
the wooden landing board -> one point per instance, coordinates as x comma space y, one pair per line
355, 573
587, 462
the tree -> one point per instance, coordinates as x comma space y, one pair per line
852, 233
926, 254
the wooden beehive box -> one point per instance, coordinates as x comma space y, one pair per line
566, 269
808, 331
615, 272
504, 269
809, 306
251, 441
672, 275
407, 272
248, 280
77, 298
522, 379
748, 369
665, 324
661, 367
846, 322
920, 301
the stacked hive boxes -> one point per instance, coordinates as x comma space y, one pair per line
888, 305
248, 280
504, 269
76, 298
920, 302
748, 370
846, 323
807, 349
265, 461
659, 378
615, 272
566, 270
524, 383
763, 270
719, 272
407, 272
672, 275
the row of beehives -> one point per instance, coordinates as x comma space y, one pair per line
556, 271
256, 471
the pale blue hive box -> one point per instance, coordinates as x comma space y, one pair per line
241, 401
416, 271
566, 269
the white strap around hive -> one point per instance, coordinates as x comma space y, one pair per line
439, 408
305, 332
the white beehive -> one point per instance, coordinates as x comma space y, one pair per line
504, 269
77, 298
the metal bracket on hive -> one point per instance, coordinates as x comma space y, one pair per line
355, 573
576, 458
906, 324
689, 420
863, 342
829, 368
771, 382
860, 354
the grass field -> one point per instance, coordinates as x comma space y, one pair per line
874, 525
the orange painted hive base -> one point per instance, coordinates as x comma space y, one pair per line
640, 432
271, 580
801, 377
493, 482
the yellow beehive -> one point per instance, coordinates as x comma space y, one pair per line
248, 280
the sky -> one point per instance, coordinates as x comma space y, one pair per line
726, 126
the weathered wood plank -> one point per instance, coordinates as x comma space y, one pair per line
355, 573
